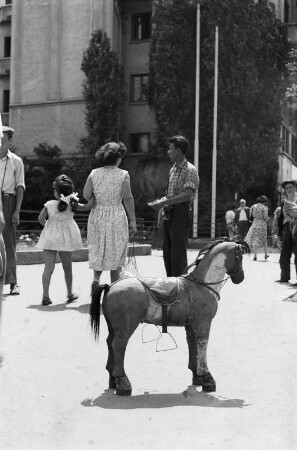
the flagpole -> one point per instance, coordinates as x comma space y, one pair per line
196, 144
214, 150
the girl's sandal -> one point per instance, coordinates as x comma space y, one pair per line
71, 298
46, 301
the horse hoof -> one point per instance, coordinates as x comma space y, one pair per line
112, 382
208, 383
123, 386
123, 391
209, 388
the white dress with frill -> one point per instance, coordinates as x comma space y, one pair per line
108, 231
61, 232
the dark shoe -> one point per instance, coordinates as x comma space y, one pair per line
71, 298
266, 256
282, 281
255, 258
46, 301
14, 289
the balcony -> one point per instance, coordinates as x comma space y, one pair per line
4, 67
292, 32
5, 13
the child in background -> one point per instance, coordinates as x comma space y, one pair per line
60, 233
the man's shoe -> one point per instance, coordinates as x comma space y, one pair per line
282, 281
14, 289
46, 301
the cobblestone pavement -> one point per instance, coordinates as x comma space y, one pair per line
54, 394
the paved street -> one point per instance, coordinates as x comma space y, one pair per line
53, 382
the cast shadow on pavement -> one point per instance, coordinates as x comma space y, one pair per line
4, 296
84, 309
189, 397
292, 298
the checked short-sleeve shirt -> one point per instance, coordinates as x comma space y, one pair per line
182, 176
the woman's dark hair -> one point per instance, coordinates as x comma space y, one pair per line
262, 199
109, 153
64, 186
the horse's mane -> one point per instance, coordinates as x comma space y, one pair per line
206, 249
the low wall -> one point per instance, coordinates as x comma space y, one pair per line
34, 256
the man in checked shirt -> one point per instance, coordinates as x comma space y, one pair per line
182, 187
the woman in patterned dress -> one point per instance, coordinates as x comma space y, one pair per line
257, 234
108, 230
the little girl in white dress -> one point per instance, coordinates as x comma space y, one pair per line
60, 233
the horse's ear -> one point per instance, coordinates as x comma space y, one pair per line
238, 239
245, 246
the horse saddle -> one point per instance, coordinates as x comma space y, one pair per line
164, 290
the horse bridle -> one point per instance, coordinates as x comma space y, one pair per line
234, 271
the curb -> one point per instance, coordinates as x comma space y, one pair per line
34, 256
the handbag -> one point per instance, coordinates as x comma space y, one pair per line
130, 267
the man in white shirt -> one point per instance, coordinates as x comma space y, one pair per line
242, 218
12, 189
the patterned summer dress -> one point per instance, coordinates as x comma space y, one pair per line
257, 234
108, 231
60, 232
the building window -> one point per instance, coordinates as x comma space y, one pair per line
139, 142
138, 88
6, 101
294, 149
286, 12
8, 2
141, 26
7, 42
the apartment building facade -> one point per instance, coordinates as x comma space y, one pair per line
286, 11
42, 93
5, 57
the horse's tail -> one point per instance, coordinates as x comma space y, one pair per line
95, 308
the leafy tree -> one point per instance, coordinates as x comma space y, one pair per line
253, 53
40, 173
102, 91
171, 91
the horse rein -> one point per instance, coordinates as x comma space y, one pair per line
191, 277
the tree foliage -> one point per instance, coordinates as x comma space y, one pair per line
172, 69
253, 53
40, 173
102, 91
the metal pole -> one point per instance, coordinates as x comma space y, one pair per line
196, 145
214, 150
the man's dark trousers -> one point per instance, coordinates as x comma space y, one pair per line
175, 239
9, 237
243, 227
288, 247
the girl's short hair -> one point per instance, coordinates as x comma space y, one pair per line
64, 186
109, 153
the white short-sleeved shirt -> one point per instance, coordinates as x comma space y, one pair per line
11, 173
